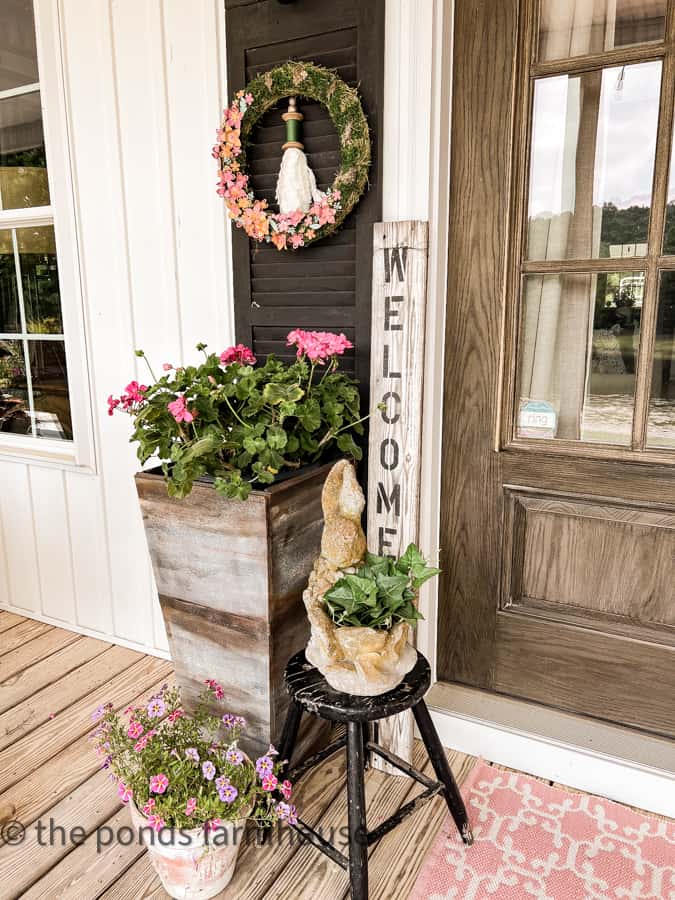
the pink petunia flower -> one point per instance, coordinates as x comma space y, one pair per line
269, 782
149, 806
190, 806
135, 730
155, 822
175, 716
215, 687
213, 824
124, 793
159, 783
286, 789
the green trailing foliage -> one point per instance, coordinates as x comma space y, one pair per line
381, 592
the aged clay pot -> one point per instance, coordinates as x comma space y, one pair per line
188, 865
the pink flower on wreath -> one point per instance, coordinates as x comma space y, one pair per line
135, 730
149, 806
190, 806
180, 412
297, 240
159, 783
269, 782
124, 793
286, 789
155, 822
239, 354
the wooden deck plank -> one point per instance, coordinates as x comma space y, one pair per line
397, 859
35, 748
35, 794
24, 684
48, 641
86, 872
257, 867
50, 701
9, 620
20, 634
87, 807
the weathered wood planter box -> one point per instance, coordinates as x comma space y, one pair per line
230, 577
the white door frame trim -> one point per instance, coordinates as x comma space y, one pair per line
416, 185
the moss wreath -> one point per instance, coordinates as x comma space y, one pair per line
292, 230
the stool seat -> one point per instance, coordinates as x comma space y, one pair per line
309, 688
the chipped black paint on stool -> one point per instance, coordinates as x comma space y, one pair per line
310, 692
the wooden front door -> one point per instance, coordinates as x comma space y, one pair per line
558, 509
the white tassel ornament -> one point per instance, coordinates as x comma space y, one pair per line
296, 185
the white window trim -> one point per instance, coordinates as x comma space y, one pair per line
80, 454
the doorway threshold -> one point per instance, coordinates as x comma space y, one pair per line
623, 764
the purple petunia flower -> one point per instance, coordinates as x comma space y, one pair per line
264, 766
98, 713
193, 754
156, 708
234, 757
229, 721
221, 781
228, 794
209, 770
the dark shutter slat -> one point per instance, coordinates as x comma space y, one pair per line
274, 54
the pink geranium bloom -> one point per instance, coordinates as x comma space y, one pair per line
269, 782
159, 783
238, 354
180, 412
167, 367
190, 806
113, 403
135, 730
124, 793
318, 346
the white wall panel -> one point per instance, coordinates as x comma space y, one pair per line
144, 86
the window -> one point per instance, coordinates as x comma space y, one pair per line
34, 393
594, 267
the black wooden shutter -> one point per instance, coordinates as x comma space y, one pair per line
326, 286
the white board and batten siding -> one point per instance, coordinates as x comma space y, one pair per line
396, 397
142, 85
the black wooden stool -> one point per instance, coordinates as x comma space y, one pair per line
310, 692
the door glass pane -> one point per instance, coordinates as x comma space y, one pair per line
578, 354
23, 165
40, 280
14, 402
50, 389
669, 230
661, 425
18, 56
10, 319
592, 163
576, 27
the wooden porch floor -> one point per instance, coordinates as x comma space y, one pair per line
50, 681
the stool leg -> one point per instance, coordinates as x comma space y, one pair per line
366, 738
290, 733
356, 808
443, 772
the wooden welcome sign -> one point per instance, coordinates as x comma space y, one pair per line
396, 385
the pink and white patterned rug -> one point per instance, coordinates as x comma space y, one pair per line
533, 840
